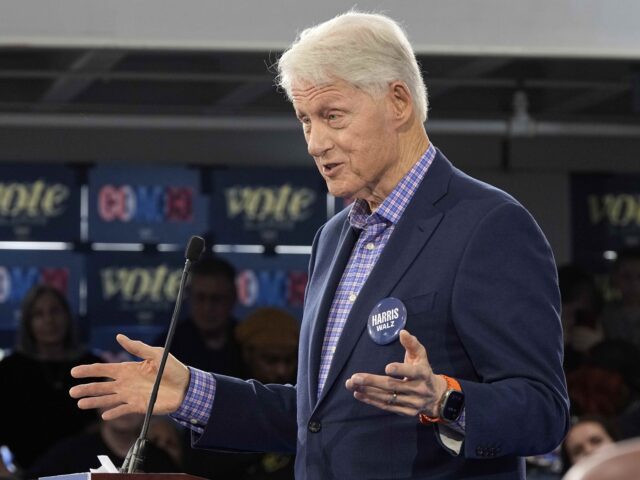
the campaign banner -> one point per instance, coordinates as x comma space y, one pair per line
269, 281
270, 206
145, 204
605, 216
132, 288
20, 270
39, 203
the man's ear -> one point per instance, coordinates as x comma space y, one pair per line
401, 101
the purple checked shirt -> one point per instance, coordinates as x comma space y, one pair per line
375, 230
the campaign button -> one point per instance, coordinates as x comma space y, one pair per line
386, 320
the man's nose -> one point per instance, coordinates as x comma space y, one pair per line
318, 141
589, 448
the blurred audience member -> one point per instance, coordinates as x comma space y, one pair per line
617, 461
113, 438
46, 350
581, 307
622, 357
621, 320
269, 341
597, 391
164, 433
585, 437
205, 340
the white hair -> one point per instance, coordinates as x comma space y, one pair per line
366, 50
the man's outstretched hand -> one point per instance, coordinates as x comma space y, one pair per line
408, 388
128, 385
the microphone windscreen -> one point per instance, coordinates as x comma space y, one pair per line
194, 249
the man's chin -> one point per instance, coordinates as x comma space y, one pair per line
339, 191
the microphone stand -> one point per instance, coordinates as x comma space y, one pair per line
133, 460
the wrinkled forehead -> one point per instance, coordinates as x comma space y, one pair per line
304, 94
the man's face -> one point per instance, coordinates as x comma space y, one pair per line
211, 300
584, 439
351, 136
627, 279
49, 322
272, 364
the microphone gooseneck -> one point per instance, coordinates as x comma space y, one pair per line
134, 458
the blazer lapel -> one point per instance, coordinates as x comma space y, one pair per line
347, 240
417, 224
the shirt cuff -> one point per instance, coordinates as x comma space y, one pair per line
451, 435
195, 410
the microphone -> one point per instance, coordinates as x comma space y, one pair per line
134, 458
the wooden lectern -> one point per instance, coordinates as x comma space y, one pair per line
124, 476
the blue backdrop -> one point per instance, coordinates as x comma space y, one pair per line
39, 203
148, 205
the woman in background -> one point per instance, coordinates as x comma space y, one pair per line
586, 436
35, 408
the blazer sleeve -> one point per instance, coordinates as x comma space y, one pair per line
249, 416
506, 311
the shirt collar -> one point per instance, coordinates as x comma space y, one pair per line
395, 204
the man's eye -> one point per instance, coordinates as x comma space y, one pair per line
332, 116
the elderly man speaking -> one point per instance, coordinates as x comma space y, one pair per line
431, 343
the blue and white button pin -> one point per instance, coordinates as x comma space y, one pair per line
386, 320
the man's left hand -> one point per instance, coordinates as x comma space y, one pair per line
408, 388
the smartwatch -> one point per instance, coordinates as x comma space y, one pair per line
450, 406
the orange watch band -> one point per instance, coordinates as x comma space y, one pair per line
452, 384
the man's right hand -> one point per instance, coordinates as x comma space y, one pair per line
128, 385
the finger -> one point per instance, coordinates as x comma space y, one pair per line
136, 347
359, 381
105, 401
412, 346
411, 400
92, 389
406, 370
119, 411
383, 405
97, 370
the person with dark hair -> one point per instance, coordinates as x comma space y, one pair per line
205, 339
623, 358
269, 340
587, 435
47, 348
621, 320
114, 438
581, 308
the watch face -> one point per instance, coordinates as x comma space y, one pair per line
453, 406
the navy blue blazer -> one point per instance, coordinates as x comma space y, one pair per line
478, 279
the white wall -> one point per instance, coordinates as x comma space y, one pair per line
592, 28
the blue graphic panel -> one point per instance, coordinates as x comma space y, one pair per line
132, 288
148, 205
39, 203
267, 205
276, 281
20, 270
605, 216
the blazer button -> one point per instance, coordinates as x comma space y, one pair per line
314, 426
480, 451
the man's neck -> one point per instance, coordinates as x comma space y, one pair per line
119, 441
412, 146
51, 352
215, 339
